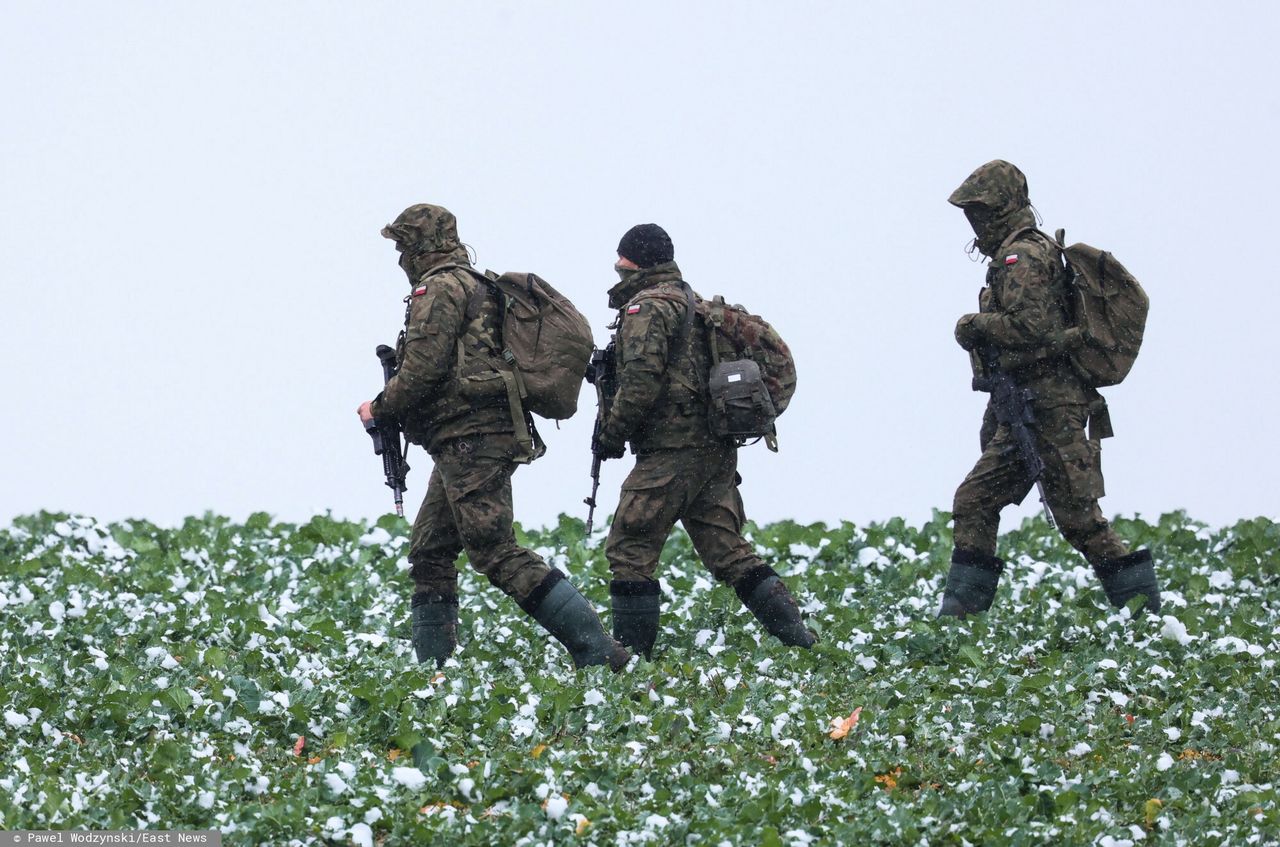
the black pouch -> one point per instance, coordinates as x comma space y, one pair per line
1099, 419
741, 407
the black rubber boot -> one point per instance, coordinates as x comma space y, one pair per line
636, 607
567, 615
435, 626
1128, 576
766, 595
971, 583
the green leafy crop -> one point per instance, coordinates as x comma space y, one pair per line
257, 679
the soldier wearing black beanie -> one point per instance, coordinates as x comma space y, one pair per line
646, 245
660, 358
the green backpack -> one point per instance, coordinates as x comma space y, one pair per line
1110, 307
546, 345
1106, 303
547, 339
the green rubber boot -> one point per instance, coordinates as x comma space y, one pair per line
764, 593
435, 626
971, 584
1126, 577
567, 615
636, 608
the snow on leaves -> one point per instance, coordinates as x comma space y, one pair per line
260, 676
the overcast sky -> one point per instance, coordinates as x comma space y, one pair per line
194, 282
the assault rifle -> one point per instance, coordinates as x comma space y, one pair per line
1012, 405
602, 373
386, 437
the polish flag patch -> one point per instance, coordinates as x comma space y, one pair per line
632, 310
421, 289
1011, 259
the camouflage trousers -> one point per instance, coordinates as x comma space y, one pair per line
1072, 482
468, 507
699, 488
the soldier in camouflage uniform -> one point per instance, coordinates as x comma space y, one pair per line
444, 402
1022, 315
682, 471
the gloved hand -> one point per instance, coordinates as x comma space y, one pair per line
609, 445
968, 334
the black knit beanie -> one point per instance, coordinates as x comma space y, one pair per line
646, 245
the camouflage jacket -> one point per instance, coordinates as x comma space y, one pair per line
448, 346
1022, 312
662, 397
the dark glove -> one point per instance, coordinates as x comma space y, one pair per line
968, 334
609, 445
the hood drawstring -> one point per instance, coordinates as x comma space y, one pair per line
971, 250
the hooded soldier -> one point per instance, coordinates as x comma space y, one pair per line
683, 472
1024, 327
446, 398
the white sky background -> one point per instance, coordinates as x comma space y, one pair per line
193, 281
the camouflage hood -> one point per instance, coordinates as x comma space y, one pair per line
639, 280
996, 201
426, 236
424, 228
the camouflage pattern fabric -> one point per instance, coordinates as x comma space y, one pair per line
432, 399
740, 334
424, 228
1022, 315
1072, 479
468, 507
699, 488
658, 406
999, 186
1021, 312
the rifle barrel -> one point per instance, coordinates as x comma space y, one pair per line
1044, 502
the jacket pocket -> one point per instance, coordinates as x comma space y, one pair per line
482, 386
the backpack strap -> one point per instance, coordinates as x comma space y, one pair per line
682, 334
680, 341
714, 322
1028, 230
1056, 243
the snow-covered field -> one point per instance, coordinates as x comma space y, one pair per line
258, 679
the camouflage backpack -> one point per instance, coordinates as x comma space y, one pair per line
1109, 306
753, 375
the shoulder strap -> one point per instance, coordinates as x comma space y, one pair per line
1030, 230
682, 334
681, 338
1015, 235
680, 344
487, 286
476, 300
